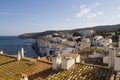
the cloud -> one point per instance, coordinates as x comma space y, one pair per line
86, 11
83, 11
5, 13
118, 16
82, 6
95, 5
119, 8
93, 15
67, 19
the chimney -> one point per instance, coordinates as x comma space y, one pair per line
22, 52
111, 57
38, 58
24, 76
18, 56
1, 52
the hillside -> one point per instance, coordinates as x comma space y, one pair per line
107, 28
96, 28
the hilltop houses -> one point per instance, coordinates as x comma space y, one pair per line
96, 39
79, 50
100, 41
49, 46
51, 43
87, 33
105, 42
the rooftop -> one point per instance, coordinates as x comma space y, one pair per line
41, 69
46, 42
83, 72
12, 69
60, 46
69, 55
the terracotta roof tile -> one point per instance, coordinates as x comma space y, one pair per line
69, 55
12, 69
83, 72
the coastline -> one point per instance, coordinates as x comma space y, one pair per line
11, 44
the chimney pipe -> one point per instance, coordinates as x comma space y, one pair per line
1, 52
18, 56
22, 52
24, 76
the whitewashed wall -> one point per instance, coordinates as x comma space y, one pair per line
77, 60
105, 59
56, 63
117, 64
67, 63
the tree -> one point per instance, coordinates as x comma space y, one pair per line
76, 34
119, 29
115, 38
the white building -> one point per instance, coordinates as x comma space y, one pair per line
65, 60
117, 64
98, 37
85, 40
112, 59
87, 33
56, 60
96, 40
47, 37
44, 46
75, 38
105, 42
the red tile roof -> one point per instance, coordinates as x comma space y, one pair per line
83, 72
69, 55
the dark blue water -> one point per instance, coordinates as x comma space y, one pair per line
11, 44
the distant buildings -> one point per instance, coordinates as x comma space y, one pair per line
50, 45
96, 39
100, 41
95, 55
87, 33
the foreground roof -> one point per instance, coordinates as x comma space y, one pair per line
83, 72
11, 69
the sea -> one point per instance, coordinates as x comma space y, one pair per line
12, 44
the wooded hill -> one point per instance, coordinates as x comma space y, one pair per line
114, 28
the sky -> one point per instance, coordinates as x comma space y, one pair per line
27, 16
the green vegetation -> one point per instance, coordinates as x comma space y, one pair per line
103, 33
76, 34
99, 29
